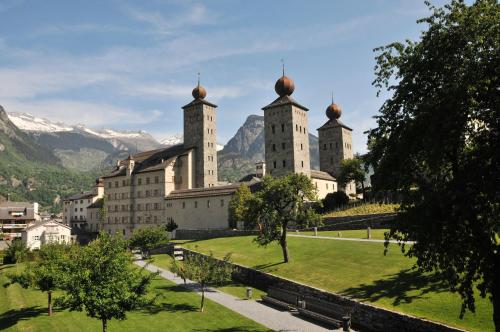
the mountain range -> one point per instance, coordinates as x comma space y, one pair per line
42, 160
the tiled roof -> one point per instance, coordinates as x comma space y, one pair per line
83, 195
334, 123
315, 174
285, 100
199, 101
152, 160
97, 204
212, 191
10, 204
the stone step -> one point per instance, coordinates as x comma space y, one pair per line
179, 258
178, 252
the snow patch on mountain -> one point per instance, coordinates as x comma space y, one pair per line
28, 122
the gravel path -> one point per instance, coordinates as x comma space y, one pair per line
345, 238
269, 317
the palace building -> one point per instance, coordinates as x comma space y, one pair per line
180, 183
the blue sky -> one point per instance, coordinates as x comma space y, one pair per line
132, 64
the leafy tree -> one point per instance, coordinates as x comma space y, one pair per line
146, 239
279, 203
205, 270
101, 280
335, 200
16, 252
437, 143
46, 273
352, 170
238, 205
171, 226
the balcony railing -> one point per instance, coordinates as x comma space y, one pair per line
11, 226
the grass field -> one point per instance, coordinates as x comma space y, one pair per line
371, 208
377, 234
359, 270
236, 289
176, 310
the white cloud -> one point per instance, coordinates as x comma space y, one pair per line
88, 113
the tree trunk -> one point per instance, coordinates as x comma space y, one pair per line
202, 297
104, 325
284, 247
495, 294
49, 300
363, 189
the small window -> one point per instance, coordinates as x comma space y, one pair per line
302, 163
157, 179
208, 203
195, 204
301, 146
274, 164
221, 202
283, 146
284, 163
183, 205
324, 146
282, 127
273, 129
116, 184
274, 147
296, 128
139, 181
147, 180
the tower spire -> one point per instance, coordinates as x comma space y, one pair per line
198, 79
332, 96
283, 66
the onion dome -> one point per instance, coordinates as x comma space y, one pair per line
199, 92
333, 111
284, 86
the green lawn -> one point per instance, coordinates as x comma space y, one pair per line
176, 310
371, 208
234, 288
357, 269
377, 234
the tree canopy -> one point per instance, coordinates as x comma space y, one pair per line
279, 203
437, 143
352, 170
239, 205
147, 239
205, 270
101, 280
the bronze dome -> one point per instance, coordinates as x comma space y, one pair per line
333, 111
199, 92
284, 86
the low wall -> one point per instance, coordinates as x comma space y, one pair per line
373, 221
203, 234
365, 317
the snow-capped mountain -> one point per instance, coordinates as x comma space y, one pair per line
173, 140
28, 122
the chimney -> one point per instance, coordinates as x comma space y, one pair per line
130, 165
260, 169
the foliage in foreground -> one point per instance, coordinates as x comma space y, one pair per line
147, 239
205, 270
352, 170
46, 273
101, 280
279, 203
16, 252
438, 142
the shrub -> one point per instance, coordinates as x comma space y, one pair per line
171, 226
335, 200
16, 252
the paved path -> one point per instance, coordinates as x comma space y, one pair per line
345, 238
256, 311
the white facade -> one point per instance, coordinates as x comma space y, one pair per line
46, 232
75, 207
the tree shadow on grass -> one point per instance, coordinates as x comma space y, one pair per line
398, 287
170, 307
13, 316
5, 267
267, 265
230, 329
174, 288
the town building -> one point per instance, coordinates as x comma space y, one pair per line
75, 207
15, 217
45, 232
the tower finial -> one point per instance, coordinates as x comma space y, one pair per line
198, 78
332, 96
283, 66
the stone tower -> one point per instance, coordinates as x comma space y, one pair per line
286, 133
335, 143
201, 135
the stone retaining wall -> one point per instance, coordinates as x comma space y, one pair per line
203, 234
365, 317
373, 221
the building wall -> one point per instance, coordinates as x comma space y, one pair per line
209, 212
37, 236
286, 140
200, 133
324, 187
